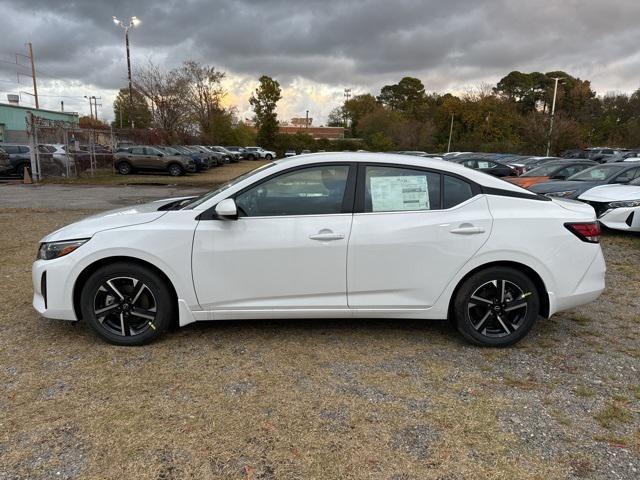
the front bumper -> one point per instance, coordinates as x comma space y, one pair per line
627, 218
53, 294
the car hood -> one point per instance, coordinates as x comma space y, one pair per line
611, 193
562, 185
121, 217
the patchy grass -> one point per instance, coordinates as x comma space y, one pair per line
307, 399
613, 415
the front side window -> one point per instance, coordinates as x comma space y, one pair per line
601, 172
316, 190
394, 189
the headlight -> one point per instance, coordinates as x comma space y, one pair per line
625, 203
566, 193
51, 250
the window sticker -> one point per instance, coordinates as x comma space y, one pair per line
399, 193
483, 164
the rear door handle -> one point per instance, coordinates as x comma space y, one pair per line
467, 230
326, 236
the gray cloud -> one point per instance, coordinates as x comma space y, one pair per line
363, 43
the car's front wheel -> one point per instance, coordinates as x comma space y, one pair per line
268, 157
127, 304
496, 307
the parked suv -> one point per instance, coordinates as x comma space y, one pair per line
5, 165
201, 162
244, 154
233, 156
262, 153
143, 157
20, 157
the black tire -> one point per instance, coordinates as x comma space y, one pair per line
134, 319
268, 157
486, 316
124, 168
251, 156
175, 170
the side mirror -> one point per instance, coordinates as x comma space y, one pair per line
160, 155
227, 209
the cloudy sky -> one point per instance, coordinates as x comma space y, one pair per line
315, 49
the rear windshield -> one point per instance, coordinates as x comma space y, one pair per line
601, 172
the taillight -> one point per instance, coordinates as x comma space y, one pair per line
585, 231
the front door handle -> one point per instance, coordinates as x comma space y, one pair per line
467, 230
326, 235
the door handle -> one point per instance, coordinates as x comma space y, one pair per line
467, 230
325, 236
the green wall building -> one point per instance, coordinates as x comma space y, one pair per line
13, 120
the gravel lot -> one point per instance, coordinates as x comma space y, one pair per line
396, 400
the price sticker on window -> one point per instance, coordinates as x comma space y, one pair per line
399, 193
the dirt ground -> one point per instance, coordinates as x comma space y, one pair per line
318, 399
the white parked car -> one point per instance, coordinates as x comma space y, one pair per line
617, 206
328, 235
261, 152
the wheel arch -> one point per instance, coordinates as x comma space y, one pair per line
530, 272
93, 267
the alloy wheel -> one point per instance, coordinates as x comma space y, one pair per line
125, 306
497, 308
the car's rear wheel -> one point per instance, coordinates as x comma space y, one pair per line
127, 304
496, 307
175, 170
124, 168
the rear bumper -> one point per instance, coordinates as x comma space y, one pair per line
590, 286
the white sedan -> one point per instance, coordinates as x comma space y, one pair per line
617, 206
337, 235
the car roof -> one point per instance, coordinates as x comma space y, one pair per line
401, 160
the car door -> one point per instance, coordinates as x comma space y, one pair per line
413, 229
286, 250
138, 157
154, 159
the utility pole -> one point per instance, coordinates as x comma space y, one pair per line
553, 112
33, 74
450, 134
62, 105
306, 122
90, 106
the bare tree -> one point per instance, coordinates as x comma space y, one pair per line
203, 94
167, 92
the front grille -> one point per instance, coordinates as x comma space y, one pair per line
599, 207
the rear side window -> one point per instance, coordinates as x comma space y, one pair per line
456, 191
137, 151
393, 189
11, 149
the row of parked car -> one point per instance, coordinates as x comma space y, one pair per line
611, 187
56, 160
180, 159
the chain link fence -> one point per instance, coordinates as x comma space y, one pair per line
64, 150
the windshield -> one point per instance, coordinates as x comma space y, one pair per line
206, 196
601, 172
543, 171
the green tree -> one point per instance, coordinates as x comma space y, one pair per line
141, 115
264, 101
408, 97
357, 107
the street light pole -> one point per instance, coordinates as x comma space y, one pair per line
133, 22
553, 112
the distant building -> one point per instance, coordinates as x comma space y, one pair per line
332, 133
13, 120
